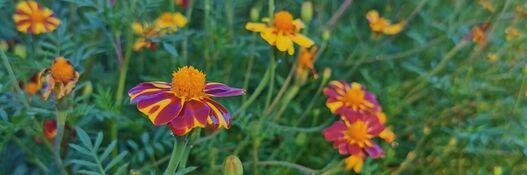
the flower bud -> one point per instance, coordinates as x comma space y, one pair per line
232, 166
20, 50
255, 14
307, 11
88, 89
326, 35
327, 73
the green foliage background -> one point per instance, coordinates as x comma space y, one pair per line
453, 110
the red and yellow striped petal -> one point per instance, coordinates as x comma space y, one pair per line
221, 90
194, 114
31, 17
219, 116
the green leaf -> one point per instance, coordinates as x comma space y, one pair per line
108, 150
186, 170
80, 149
85, 139
171, 49
98, 141
84, 163
115, 160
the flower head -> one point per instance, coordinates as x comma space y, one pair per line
170, 22
283, 32
61, 78
512, 33
182, 3
379, 24
31, 17
354, 162
353, 136
50, 129
145, 32
185, 103
304, 64
346, 98
478, 34
34, 85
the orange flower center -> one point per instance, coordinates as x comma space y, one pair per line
166, 18
37, 16
354, 97
283, 21
62, 70
188, 83
357, 133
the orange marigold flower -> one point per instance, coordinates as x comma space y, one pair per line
344, 98
170, 22
34, 85
61, 78
146, 32
31, 17
185, 103
379, 24
282, 33
511, 33
478, 33
354, 162
304, 64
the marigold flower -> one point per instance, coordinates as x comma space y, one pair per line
170, 22
304, 64
478, 34
182, 3
493, 57
346, 98
145, 32
352, 136
61, 78
34, 85
511, 33
282, 33
31, 17
50, 129
185, 103
354, 162
379, 24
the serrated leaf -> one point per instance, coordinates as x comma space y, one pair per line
85, 139
98, 141
122, 169
80, 149
88, 172
84, 163
115, 160
108, 150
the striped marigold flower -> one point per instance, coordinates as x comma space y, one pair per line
31, 17
344, 98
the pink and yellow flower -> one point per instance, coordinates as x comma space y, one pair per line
344, 98
379, 24
353, 135
283, 32
31, 17
185, 103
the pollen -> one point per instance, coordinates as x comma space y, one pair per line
62, 70
188, 83
354, 97
283, 21
357, 133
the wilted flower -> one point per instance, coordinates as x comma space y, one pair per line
61, 78
50, 129
170, 22
146, 32
511, 33
304, 64
282, 33
379, 24
34, 84
346, 98
185, 103
31, 17
353, 135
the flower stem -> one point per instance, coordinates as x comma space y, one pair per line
61, 122
177, 154
12, 77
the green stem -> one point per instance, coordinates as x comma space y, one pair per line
185, 42
271, 80
12, 78
177, 154
249, 67
61, 122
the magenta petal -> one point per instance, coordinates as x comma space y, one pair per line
221, 90
170, 111
219, 115
375, 151
194, 114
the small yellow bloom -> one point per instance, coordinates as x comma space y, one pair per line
146, 32
61, 78
487, 4
31, 17
282, 33
478, 34
511, 33
379, 24
492, 57
354, 162
170, 22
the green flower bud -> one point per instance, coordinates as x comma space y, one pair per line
307, 11
326, 35
255, 14
232, 166
20, 50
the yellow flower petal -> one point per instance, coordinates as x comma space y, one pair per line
298, 24
393, 29
372, 16
354, 162
269, 36
255, 27
302, 40
137, 28
387, 135
283, 42
180, 20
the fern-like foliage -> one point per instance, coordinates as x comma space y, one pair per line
98, 163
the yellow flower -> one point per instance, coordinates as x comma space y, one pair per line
304, 64
379, 24
511, 33
31, 17
146, 32
492, 57
487, 4
282, 33
61, 78
170, 22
